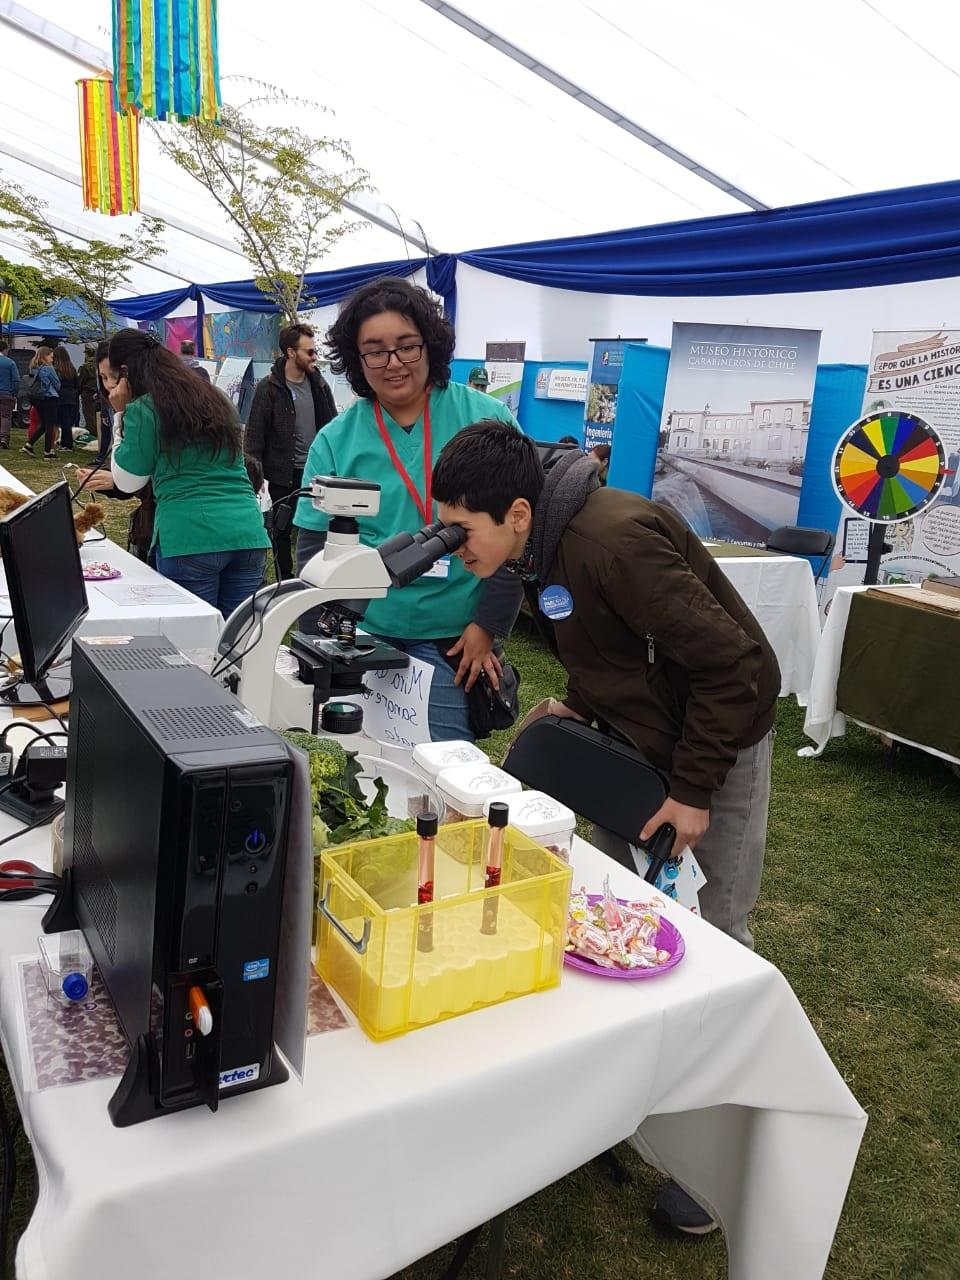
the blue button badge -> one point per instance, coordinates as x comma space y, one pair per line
556, 602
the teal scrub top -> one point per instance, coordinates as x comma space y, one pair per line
430, 608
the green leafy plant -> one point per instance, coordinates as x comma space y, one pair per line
341, 813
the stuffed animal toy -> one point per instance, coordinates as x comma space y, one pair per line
84, 518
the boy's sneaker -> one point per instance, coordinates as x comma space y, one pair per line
28, 448
674, 1208
50, 456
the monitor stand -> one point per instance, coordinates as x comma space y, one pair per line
48, 690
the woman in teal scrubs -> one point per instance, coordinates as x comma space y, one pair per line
395, 347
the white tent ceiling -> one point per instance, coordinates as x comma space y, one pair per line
786, 102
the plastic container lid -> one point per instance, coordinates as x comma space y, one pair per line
536, 814
469, 786
432, 757
427, 824
74, 986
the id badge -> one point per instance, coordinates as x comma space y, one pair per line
439, 570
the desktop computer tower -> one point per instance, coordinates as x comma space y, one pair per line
174, 848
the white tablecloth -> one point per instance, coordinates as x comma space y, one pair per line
782, 597
823, 720
186, 620
387, 1151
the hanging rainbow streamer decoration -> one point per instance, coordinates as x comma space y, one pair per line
165, 61
889, 466
109, 151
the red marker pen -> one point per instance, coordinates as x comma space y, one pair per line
498, 817
426, 856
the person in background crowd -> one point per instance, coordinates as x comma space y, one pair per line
9, 379
289, 407
184, 436
395, 346
479, 379
106, 383
47, 422
69, 407
188, 354
601, 456
87, 383
569, 440
656, 644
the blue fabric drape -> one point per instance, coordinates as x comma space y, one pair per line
885, 237
321, 288
442, 279
153, 306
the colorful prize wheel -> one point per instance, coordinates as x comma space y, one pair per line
889, 466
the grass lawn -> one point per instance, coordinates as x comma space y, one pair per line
860, 909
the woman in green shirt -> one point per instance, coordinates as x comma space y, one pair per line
182, 434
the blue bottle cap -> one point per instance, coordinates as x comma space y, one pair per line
74, 986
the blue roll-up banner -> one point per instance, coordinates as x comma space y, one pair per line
602, 390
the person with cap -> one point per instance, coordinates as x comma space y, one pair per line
479, 378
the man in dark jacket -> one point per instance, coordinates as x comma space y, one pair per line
289, 407
656, 643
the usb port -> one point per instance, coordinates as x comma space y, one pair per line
190, 1050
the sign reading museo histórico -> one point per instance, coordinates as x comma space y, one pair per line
916, 372
734, 430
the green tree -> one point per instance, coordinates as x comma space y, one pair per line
282, 189
91, 271
34, 289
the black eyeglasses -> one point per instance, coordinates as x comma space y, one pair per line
407, 354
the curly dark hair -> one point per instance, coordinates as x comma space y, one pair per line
189, 409
390, 293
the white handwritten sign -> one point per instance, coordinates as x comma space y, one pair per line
395, 704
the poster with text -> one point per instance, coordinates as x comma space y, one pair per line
916, 371
504, 366
734, 429
603, 389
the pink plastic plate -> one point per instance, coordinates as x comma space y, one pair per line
669, 938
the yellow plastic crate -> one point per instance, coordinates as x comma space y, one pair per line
368, 924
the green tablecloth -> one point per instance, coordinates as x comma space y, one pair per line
898, 671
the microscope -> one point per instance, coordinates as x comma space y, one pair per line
339, 581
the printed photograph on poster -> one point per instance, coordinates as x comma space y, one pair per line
917, 372
736, 419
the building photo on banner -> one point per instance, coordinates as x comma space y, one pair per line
916, 372
736, 420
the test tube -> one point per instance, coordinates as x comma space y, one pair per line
426, 857
498, 817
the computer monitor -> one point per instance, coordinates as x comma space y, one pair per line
48, 596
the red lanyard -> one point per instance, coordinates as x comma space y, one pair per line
425, 504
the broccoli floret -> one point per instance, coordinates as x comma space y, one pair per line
327, 758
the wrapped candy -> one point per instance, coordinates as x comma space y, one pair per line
613, 934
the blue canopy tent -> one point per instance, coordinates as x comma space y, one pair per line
66, 320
